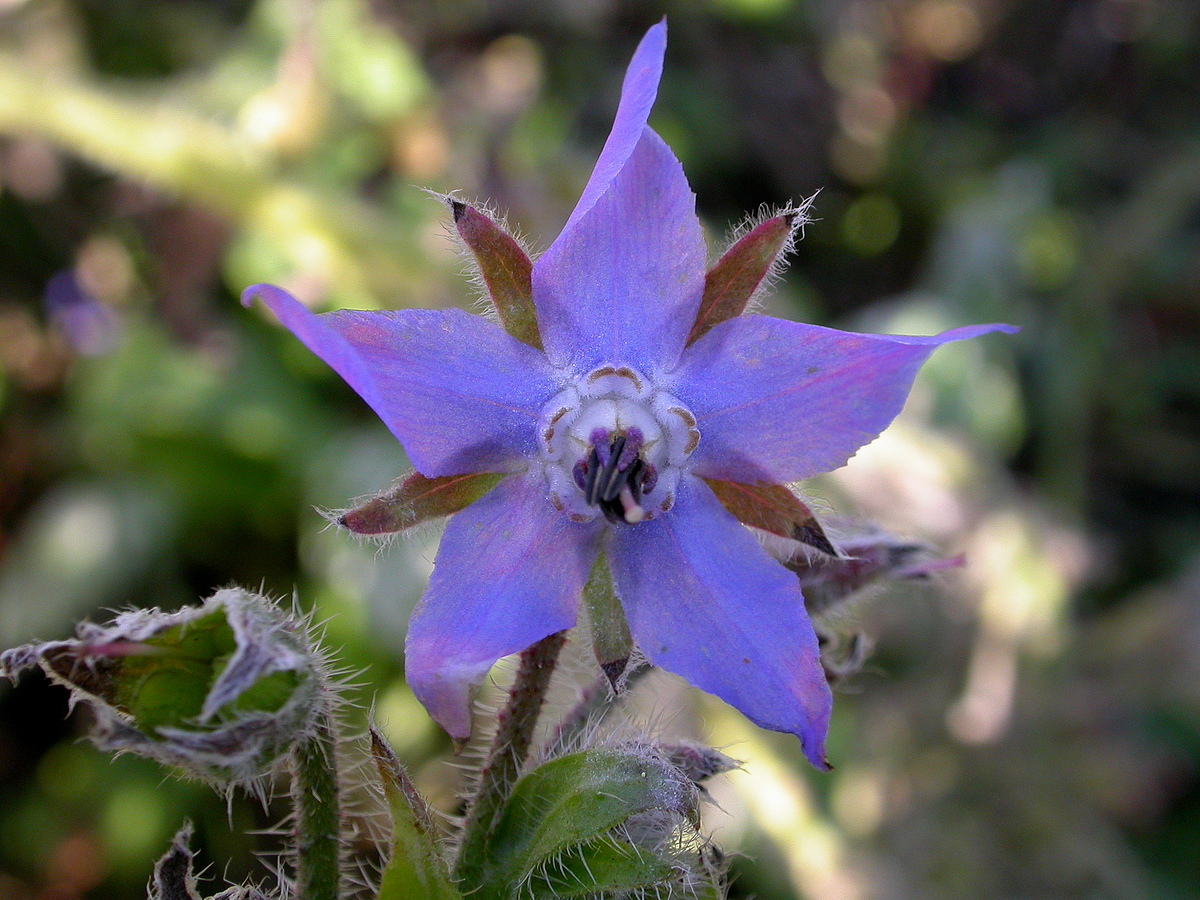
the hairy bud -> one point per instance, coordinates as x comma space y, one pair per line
600, 822
867, 556
221, 690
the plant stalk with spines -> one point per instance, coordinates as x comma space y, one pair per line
509, 750
316, 794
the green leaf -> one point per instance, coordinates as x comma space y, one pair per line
608, 866
506, 270
731, 283
416, 868
566, 815
414, 499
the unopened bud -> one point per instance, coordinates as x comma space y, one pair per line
867, 556
600, 822
221, 690
698, 762
834, 586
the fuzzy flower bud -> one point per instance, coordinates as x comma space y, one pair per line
865, 561
600, 822
221, 690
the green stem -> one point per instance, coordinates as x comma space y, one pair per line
315, 795
514, 736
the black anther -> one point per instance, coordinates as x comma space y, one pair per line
603, 483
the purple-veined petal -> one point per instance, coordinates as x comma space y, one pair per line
637, 97
510, 570
780, 401
460, 394
624, 283
705, 601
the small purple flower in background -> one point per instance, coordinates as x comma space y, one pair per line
626, 407
90, 327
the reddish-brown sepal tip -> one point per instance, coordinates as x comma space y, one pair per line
414, 499
615, 673
506, 270
773, 508
732, 282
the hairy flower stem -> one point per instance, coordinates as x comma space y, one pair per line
514, 736
315, 793
595, 702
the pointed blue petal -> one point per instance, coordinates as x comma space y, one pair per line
780, 401
706, 602
637, 97
623, 284
460, 394
510, 571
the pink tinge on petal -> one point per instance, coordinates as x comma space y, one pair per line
459, 394
781, 401
705, 601
510, 571
623, 285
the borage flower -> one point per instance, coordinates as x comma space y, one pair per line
628, 408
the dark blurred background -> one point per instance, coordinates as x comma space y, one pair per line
1029, 726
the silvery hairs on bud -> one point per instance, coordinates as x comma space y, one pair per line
221, 690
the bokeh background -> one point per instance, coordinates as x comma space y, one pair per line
1029, 726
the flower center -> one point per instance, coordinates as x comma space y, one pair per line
614, 444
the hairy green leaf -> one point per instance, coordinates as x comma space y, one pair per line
416, 868
572, 818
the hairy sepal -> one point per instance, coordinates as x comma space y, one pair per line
836, 588
416, 867
174, 875
598, 822
698, 762
222, 690
505, 268
868, 557
775, 509
611, 641
414, 499
732, 282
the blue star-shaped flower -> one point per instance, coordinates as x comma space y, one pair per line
624, 400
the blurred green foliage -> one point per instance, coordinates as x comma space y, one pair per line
1029, 727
